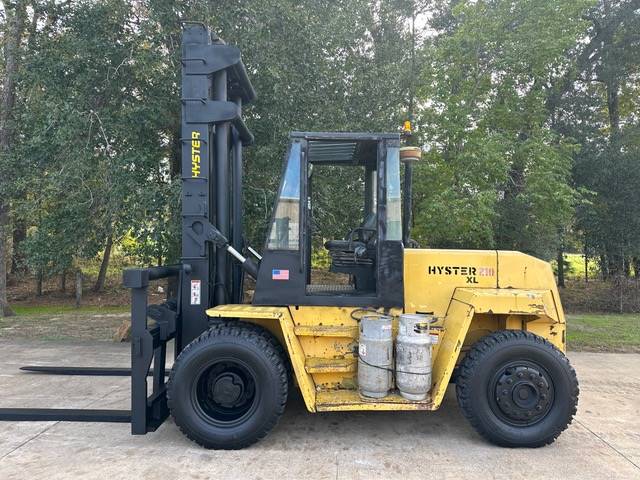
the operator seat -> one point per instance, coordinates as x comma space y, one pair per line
356, 254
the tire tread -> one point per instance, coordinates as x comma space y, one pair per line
471, 364
265, 341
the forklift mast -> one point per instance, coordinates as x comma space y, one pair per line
215, 87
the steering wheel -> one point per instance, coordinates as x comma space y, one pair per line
361, 250
361, 229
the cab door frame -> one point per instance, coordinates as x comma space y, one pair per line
273, 289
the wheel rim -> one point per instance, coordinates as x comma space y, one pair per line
521, 393
224, 393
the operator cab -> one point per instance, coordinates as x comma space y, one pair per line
313, 258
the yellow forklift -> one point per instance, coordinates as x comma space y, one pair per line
388, 327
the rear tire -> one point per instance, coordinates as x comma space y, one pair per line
228, 387
517, 389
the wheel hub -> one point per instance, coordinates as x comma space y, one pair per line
225, 392
523, 393
227, 389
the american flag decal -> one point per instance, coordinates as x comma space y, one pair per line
279, 274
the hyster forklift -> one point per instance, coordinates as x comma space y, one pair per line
494, 318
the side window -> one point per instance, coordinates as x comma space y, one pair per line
394, 202
285, 229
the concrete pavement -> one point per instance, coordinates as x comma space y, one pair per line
602, 443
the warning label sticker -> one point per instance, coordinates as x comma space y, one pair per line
195, 292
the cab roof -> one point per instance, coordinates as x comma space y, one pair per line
340, 148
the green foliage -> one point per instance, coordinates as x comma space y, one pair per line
527, 112
599, 109
316, 66
94, 153
320, 259
497, 174
574, 267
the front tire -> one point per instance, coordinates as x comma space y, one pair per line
228, 388
517, 389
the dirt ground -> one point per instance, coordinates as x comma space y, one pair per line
64, 326
603, 442
114, 294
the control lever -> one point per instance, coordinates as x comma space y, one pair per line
248, 265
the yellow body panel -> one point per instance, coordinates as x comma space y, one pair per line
248, 311
329, 336
428, 288
346, 400
470, 292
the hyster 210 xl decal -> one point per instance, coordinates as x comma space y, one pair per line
468, 272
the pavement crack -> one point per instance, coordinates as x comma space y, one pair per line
28, 440
609, 445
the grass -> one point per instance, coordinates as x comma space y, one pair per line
604, 332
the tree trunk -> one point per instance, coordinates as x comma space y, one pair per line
39, 281
613, 107
102, 275
176, 153
63, 281
14, 21
604, 267
586, 267
78, 288
5, 309
17, 259
15, 15
560, 267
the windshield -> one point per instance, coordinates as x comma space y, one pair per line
394, 205
284, 233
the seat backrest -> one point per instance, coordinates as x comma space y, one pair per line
369, 222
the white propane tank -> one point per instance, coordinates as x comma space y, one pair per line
413, 356
375, 356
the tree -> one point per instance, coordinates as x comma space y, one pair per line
497, 175
12, 37
94, 135
527, 111
598, 107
